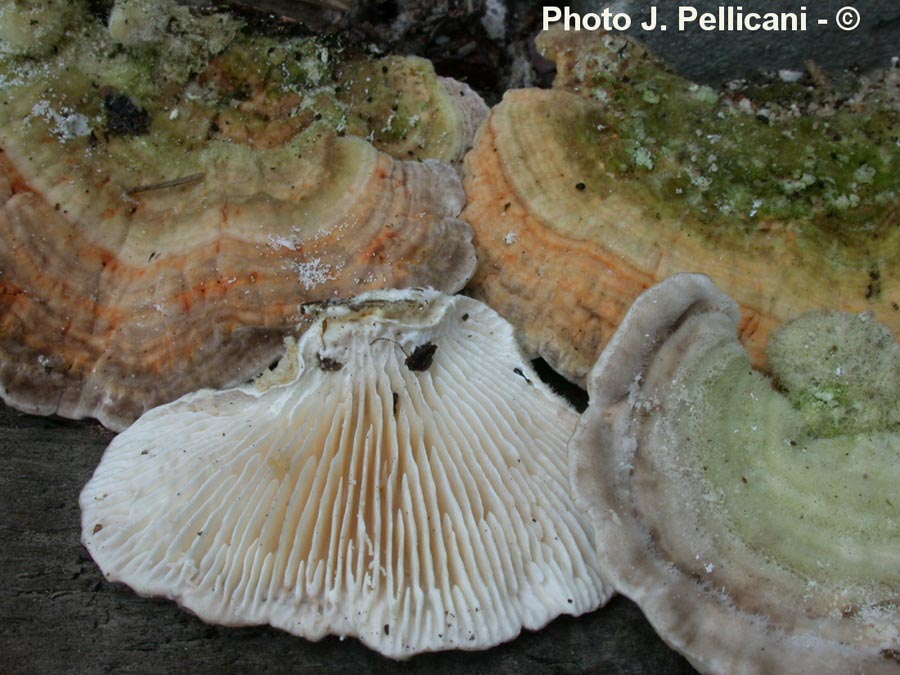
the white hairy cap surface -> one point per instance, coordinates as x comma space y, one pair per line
345, 492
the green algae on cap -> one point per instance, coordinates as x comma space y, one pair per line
822, 156
754, 537
163, 216
33, 27
808, 474
203, 75
177, 41
841, 371
623, 174
397, 103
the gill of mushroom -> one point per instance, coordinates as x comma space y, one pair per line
418, 505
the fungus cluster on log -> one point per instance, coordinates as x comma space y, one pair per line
183, 201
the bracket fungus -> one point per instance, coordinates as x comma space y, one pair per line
756, 523
401, 477
623, 174
173, 188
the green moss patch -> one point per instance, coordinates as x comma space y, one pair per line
824, 158
807, 475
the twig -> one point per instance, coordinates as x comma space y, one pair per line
175, 182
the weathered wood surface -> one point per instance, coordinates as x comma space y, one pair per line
58, 615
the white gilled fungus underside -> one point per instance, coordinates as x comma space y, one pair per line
758, 528
160, 228
400, 477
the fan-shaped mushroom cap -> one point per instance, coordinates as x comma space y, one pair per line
583, 196
158, 233
400, 477
757, 529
